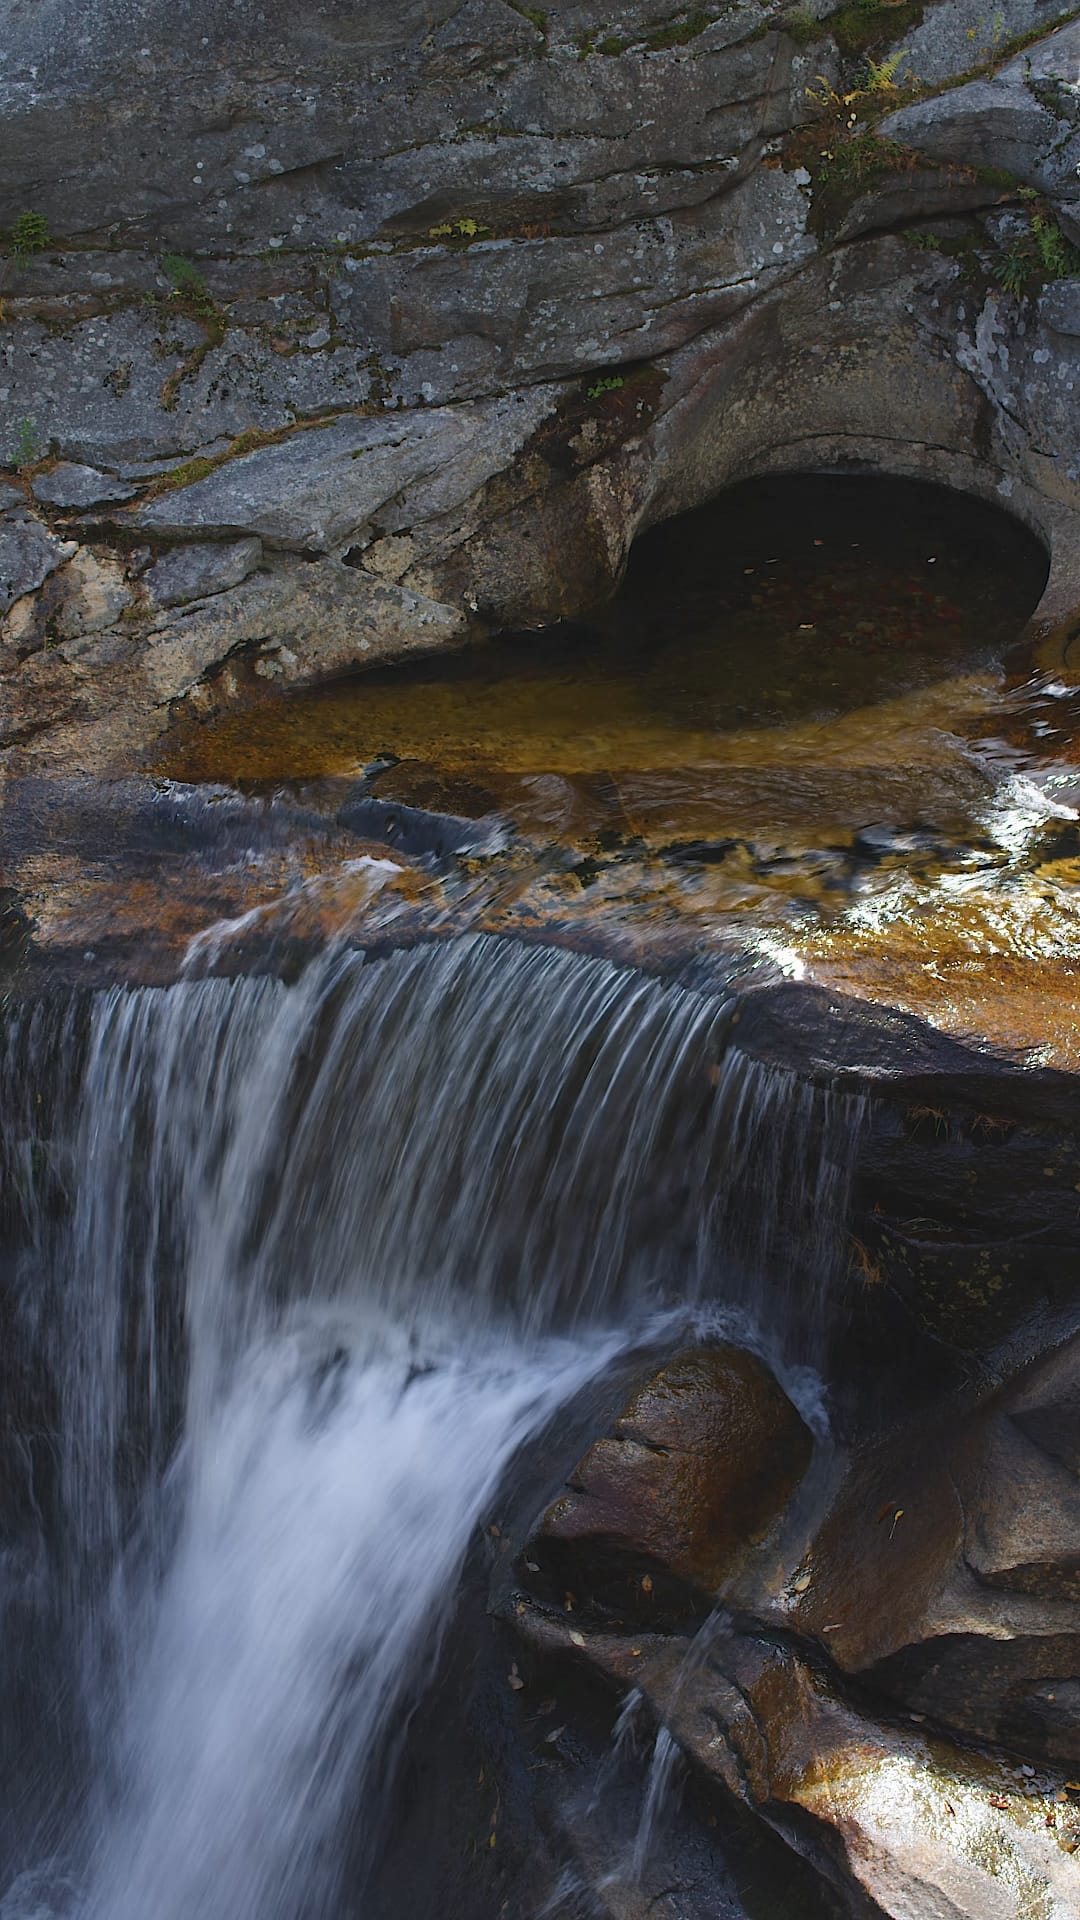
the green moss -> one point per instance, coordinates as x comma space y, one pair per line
249, 441
865, 25
802, 26
679, 33
27, 235
534, 15
612, 45
608, 383
464, 231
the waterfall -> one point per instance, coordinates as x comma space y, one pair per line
293, 1272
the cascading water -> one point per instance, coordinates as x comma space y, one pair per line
296, 1271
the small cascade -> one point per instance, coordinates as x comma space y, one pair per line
294, 1271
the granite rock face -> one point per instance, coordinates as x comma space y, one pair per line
455, 300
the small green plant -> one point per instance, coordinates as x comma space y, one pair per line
27, 448
29, 234
534, 15
458, 230
187, 282
1060, 259
1042, 253
860, 160
881, 74
608, 383
1011, 271
612, 45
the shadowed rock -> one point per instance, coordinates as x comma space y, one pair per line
697, 1465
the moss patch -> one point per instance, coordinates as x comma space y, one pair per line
868, 26
249, 441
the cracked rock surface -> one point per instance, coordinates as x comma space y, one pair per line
467, 296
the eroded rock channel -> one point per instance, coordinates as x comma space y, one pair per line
539, 1141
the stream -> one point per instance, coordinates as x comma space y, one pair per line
310, 1246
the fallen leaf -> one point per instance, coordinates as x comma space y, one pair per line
577, 1638
646, 1583
802, 1584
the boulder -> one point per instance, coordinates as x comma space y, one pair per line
297, 623
699, 1463
69, 485
948, 1569
28, 554
318, 488
193, 572
1024, 120
914, 1824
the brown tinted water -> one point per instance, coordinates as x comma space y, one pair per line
808, 723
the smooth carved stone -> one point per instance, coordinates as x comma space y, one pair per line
700, 1461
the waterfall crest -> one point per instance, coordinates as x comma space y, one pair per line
297, 1269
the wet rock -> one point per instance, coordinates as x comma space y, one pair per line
834, 1037
191, 573
413, 830
70, 485
1018, 1692
697, 1465
28, 554
948, 1571
914, 1824
1023, 1512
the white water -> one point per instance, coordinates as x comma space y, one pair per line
302, 1611
333, 1252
